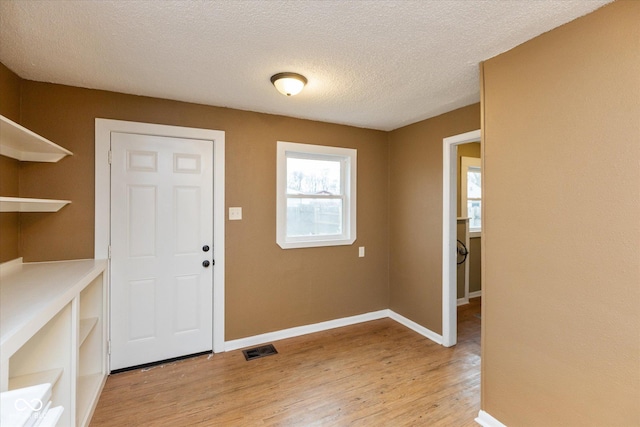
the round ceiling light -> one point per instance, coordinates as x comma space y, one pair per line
289, 83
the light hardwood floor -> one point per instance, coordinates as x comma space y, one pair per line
377, 373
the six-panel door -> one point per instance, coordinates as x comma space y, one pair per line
161, 222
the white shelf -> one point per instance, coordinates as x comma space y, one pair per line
45, 377
13, 414
22, 144
86, 326
88, 389
32, 293
22, 204
52, 416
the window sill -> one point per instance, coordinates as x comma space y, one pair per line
314, 243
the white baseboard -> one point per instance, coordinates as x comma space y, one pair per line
475, 294
303, 330
414, 326
463, 301
331, 324
486, 420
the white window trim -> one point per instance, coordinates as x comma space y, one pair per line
349, 157
465, 164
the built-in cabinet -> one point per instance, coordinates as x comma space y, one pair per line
22, 144
53, 331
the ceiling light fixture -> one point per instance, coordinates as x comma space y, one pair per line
289, 83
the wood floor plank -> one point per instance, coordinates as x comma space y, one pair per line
377, 373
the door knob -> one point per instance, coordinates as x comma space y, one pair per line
205, 248
205, 263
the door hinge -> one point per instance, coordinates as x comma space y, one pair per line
109, 252
110, 156
109, 347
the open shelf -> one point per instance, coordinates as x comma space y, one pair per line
47, 311
22, 144
14, 414
21, 204
50, 376
88, 389
86, 326
28, 406
51, 417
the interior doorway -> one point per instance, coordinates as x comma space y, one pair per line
449, 244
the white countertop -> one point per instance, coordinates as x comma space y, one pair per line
31, 294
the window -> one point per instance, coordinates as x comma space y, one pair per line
316, 195
471, 189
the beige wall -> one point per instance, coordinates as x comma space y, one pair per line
461, 234
561, 314
475, 264
9, 168
475, 279
415, 212
267, 288
471, 149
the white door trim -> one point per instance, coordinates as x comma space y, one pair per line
449, 188
104, 127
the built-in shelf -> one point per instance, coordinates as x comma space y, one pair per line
88, 391
51, 417
46, 310
50, 376
22, 144
14, 414
86, 326
22, 204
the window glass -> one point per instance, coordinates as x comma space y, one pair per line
309, 176
314, 217
316, 197
471, 187
474, 184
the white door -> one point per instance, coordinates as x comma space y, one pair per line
161, 241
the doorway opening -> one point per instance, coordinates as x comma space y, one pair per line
449, 240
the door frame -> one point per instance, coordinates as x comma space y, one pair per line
103, 130
449, 216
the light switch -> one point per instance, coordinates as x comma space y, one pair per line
361, 251
235, 214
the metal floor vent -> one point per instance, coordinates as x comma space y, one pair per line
257, 352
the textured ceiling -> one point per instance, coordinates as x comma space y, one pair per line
379, 64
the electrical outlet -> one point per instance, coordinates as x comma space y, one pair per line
235, 214
361, 251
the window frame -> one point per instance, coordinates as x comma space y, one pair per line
348, 171
467, 163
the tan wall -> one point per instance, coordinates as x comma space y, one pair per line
561, 314
464, 150
475, 279
461, 233
267, 288
9, 168
415, 209
475, 264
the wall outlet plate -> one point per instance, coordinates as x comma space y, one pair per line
235, 214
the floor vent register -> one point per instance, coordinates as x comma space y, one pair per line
258, 352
